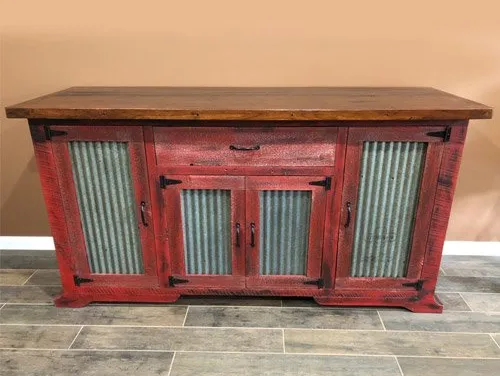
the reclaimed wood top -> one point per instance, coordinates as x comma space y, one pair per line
251, 103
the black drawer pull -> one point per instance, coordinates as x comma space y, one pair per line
252, 234
237, 234
241, 148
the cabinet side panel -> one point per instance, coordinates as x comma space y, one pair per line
447, 180
53, 200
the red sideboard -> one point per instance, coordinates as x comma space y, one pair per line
340, 194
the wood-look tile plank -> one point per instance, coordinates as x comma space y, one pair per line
449, 367
27, 259
15, 276
468, 284
215, 364
341, 342
453, 301
283, 318
64, 363
28, 294
41, 337
93, 315
482, 302
474, 322
45, 277
180, 339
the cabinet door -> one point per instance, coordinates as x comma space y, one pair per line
103, 179
389, 186
285, 221
204, 221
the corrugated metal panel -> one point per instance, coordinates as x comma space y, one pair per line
387, 202
206, 218
107, 206
284, 232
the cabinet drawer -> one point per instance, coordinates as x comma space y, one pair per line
283, 146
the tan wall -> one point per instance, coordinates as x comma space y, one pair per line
452, 45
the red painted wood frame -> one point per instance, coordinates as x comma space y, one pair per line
356, 138
133, 136
254, 186
172, 222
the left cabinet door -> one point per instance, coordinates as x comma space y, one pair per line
204, 221
104, 183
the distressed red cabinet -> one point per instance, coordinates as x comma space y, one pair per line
341, 194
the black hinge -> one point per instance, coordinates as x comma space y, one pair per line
164, 181
79, 280
172, 281
327, 183
445, 135
418, 285
49, 133
318, 282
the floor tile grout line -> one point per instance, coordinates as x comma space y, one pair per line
74, 339
494, 340
23, 284
250, 352
381, 321
246, 328
185, 317
399, 365
283, 334
442, 271
3, 305
465, 301
171, 364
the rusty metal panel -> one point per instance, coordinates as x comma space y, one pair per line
389, 185
284, 231
206, 219
105, 194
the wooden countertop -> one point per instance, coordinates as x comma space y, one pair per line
251, 103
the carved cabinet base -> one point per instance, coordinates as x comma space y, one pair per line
343, 195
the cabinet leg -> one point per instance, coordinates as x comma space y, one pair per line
428, 304
65, 301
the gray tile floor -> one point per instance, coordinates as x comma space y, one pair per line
246, 336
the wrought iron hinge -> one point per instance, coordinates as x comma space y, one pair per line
445, 135
418, 285
172, 281
49, 133
327, 183
164, 181
319, 282
79, 280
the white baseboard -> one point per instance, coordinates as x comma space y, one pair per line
463, 248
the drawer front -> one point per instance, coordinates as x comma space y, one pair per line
283, 146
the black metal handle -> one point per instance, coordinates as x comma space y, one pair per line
252, 234
237, 234
348, 221
143, 214
241, 148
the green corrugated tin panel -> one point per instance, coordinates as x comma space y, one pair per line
284, 232
206, 218
387, 202
107, 206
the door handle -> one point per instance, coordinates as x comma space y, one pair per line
348, 220
143, 214
252, 234
237, 234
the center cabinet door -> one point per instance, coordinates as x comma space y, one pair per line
204, 220
284, 231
